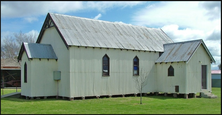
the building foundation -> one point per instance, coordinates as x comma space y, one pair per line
174, 95
186, 96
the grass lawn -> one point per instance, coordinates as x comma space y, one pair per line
7, 91
114, 105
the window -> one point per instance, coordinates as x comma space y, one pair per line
170, 71
136, 66
105, 65
25, 73
160, 53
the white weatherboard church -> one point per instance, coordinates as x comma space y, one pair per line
80, 57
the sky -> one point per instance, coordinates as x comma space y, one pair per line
181, 20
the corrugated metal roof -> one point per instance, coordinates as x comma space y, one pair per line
35, 50
181, 51
79, 31
9, 62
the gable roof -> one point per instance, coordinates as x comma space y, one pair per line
77, 31
35, 50
182, 51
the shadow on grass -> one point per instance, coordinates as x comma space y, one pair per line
169, 96
19, 98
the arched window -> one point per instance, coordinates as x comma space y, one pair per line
105, 65
171, 71
25, 73
136, 66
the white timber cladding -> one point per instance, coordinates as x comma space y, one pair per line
26, 87
80, 45
86, 71
194, 71
167, 83
41, 77
52, 37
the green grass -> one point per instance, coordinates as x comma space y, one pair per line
7, 91
114, 105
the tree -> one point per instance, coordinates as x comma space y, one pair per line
141, 81
9, 49
12, 44
219, 66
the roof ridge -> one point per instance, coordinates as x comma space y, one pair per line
104, 21
36, 43
90, 32
183, 42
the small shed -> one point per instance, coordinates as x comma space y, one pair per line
38, 60
184, 67
216, 78
10, 73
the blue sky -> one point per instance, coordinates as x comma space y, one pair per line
181, 21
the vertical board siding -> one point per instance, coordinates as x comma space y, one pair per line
86, 71
52, 37
42, 80
26, 87
194, 71
167, 83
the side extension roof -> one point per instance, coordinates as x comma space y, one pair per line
35, 50
181, 51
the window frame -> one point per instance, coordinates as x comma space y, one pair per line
105, 64
137, 65
25, 73
171, 71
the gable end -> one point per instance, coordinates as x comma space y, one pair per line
49, 22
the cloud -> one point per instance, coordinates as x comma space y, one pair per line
104, 5
4, 35
214, 47
215, 35
185, 14
183, 21
33, 33
186, 34
97, 17
214, 66
34, 8
31, 19
120, 22
37, 8
211, 39
7, 34
213, 9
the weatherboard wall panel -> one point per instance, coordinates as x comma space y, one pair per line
42, 80
86, 71
194, 70
26, 87
167, 83
52, 37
